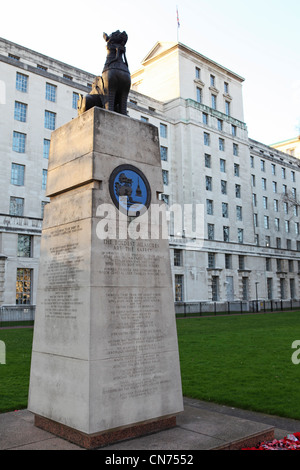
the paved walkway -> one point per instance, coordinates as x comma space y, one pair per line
202, 426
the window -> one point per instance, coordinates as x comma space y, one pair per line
262, 165
239, 213
208, 183
273, 167
67, 77
222, 165
163, 130
233, 130
215, 288
288, 244
212, 80
213, 101
205, 118
50, 92
294, 193
275, 205
287, 226
282, 288
44, 179
75, 99
199, 95
274, 185
223, 187
278, 242
164, 153
50, 120
270, 288
22, 82
165, 175
268, 264
267, 240
251, 161
17, 174
235, 149
255, 218
296, 228
206, 139
284, 189
265, 202
295, 210
266, 221
245, 289
179, 288
20, 111
254, 199
241, 262
207, 159
226, 87
197, 73
224, 209
226, 234
283, 173
293, 178
236, 169
220, 124
209, 207
23, 286
177, 257
277, 224
144, 119
210, 231
16, 206
211, 260
221, 144
228, 261
238, 190
19, 140
25, 246
46, 148
286, 207
253, 180
227, 108
240, 233
264, 183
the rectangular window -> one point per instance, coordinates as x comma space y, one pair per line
233, 130
240, 233
164, 153
179, 288
239, 213
241, 262
238, 190
264, 183
46, 148
265, 202
208, 183
226, 87
50, 92
253, 180
276, 205
50, 119
283, 173
267, 240
274, 185
277, 224
20, 111
19, 141
270, 288
22, 82
215, 288
254, 199
221, 144
16, 206
75, 99
23, 286
17, 174
213, 101
287, 226
268, 264
236, 169
211, 260
251, 161
293, 178
165, 175
245, 288
209, 207
266, 221
44, 179
228, 261
224, 209
210, 231
278, 242
197, 73
235, 149
206, 139
222, 165
227, 108
220, 125
199, 95
207, 159
223, 187
205, 118
273, 167
25, 246
163, 130
226, 234
296, 228
212, 80
286, 207
177, 257
255, 220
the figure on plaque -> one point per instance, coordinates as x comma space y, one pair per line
110, 91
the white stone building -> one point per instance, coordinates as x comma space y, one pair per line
250, 246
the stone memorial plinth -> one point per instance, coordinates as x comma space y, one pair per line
105, 364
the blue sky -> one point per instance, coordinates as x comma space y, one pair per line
257, 39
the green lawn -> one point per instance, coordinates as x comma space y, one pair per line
14, 375
240, 360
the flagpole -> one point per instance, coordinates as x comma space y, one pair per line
178, 23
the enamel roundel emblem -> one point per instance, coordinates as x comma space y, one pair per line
129, 190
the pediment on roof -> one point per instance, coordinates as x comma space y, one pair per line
158, 49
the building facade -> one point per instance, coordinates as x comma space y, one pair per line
241, 193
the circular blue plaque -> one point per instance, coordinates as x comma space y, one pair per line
129, 190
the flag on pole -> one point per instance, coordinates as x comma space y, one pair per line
178, 23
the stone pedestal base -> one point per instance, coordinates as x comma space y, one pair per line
102, 439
